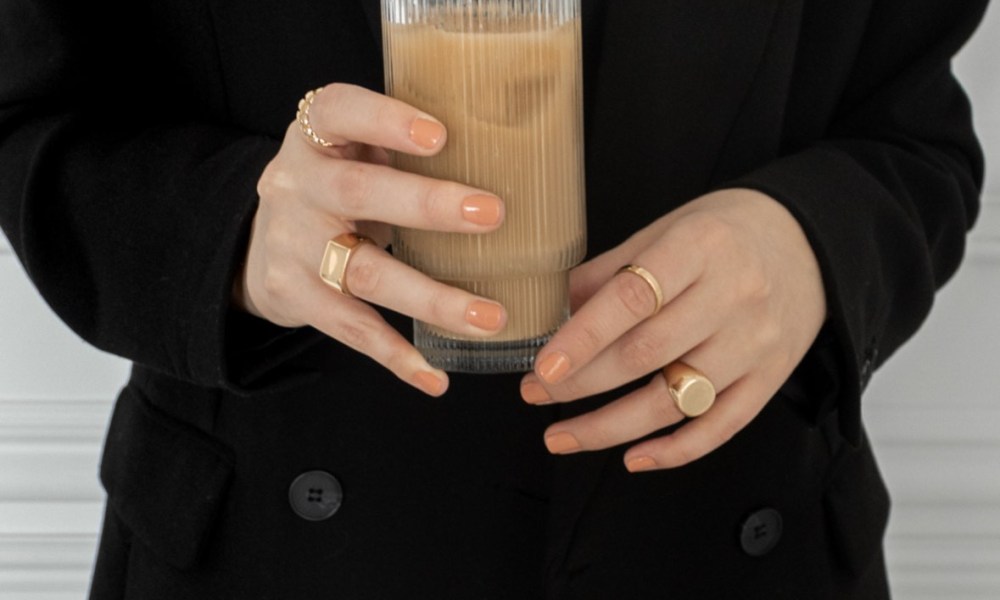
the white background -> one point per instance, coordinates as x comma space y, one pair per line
933, 412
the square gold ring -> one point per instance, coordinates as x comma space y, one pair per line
333, 268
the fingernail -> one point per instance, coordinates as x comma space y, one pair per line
426, 133
561, 443
534, 393
482, 210
553, 367
429, 383
640, 463
485, 315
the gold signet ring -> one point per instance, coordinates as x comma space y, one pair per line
692, 392
333, 269
650, 280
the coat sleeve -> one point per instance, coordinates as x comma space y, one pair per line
127, 207
887, 193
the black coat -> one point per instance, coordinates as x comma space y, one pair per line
128, 159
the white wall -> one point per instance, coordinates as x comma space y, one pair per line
933, 412
934, 409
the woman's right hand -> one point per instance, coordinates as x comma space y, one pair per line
310, 194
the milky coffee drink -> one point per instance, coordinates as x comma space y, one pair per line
505, 79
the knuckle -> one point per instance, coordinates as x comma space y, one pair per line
635, 294
384, 114
332, 99
358, 334
271, 181
364, 277
755, 285
396, 356
684, 454
708, 235
273, 235
354, 186
438, 306
586, 337
712, 230
432, 203
590, 337
767, 333
640, 350
596, 436
275, 283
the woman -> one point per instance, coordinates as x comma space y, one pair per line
796, 177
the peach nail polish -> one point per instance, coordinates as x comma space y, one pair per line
481, 209
553, 367
429, 383
562, 443
534, 393
485, 315
426, 133
640, 463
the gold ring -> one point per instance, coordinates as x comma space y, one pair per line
302, 117
338, 253
649, 279
691, 390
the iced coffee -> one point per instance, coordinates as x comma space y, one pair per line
505, 79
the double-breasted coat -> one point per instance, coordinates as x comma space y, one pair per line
245, 460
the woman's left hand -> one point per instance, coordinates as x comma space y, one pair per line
743, 300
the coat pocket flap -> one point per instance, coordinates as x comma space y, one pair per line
857, 504
165, 479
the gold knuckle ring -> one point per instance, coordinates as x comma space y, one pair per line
691, 390
650, 280
305, 123
333, 269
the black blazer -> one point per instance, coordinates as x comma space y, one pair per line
128, 158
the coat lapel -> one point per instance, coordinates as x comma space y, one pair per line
665, 92
670, 83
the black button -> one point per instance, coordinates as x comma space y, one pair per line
761, 532
315, 495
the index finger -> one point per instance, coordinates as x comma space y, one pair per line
342, 113
626, 300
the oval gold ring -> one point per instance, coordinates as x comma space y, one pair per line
304, 121
691, 390
650, 280
338, 253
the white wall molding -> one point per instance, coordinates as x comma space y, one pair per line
45, 567
47, 549
54, 419
903, 424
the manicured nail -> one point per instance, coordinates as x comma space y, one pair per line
640, 463
561, 443
485, 315
553, 367
426, 133
534, 393
429, 383
482, 209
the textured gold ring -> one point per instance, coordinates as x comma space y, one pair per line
333, 269
691, 390
305, 123
650, 280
